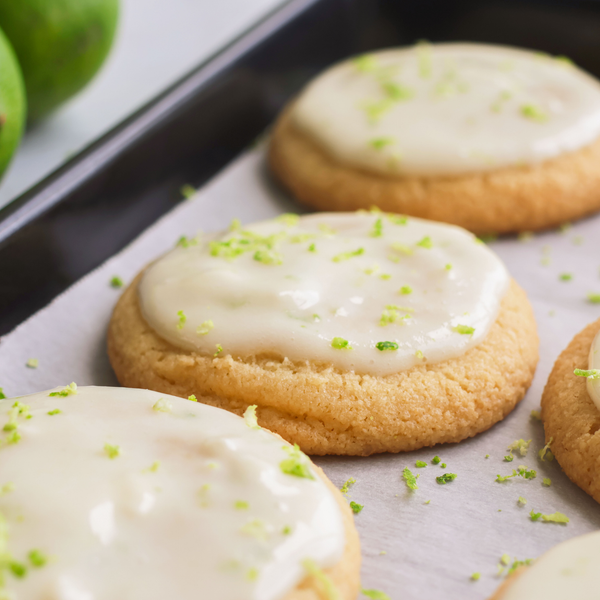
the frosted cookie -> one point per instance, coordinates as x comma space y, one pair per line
570, 571
353, 333
110, 493
571, 410
491, 138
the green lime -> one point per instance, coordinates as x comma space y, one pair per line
60, 44
12, 103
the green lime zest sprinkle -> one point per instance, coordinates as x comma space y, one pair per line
329, 590
565, 276
556, 517
589, 373
545, 453
356, 508
37, 558
521, 501
346, 487
546, 481
186, 242
593, 298
521, 446
241, 505
2, 395
250, 417
391, 314
464, 329
377, 230
347, 255
7, 488
386, 346
443, 465
32, 363
448, 267
405, 290
534, 113
181, 319
522, 471
475, 576
397, 219
162, 405
509, 458
268, 257
18, 569
286, 530
519, 563
252, 574
219, 350
446, 478
187, 191
13, 438
70, 390
411, 480
112, 450
153, 467
116, 282
340, 344
205, 327
235, 225
297, 463
288, 219
420, 464
425, 243
375, 594
365, 63
419, 354
536, 415
312, 248
436, 460
192, 398
381, 143
376, 110
397, 91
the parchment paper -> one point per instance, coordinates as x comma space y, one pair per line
411, 550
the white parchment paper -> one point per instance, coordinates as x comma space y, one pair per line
411, 550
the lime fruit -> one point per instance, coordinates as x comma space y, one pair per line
60, 44
12, 103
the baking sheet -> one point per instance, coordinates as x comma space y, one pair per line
411, 550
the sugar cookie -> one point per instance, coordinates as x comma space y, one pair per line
570, 570
570, 415
491, 138
353, 333
110, 493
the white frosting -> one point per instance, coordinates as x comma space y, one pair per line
297, 308
570, 571
462, 108
115, 529
593, 385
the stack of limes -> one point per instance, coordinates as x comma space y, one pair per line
49, 50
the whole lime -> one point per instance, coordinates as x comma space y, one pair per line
12, 103
60, 44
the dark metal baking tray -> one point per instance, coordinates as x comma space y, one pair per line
103, 198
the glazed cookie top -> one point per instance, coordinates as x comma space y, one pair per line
449, 109
593, 381
368, 292
569, 570
118, 493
